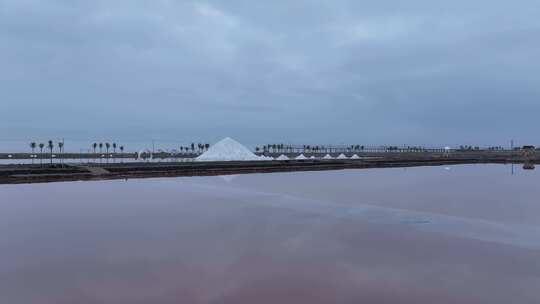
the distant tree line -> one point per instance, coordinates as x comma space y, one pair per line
195, 148
107, 147
283, 148
50, 146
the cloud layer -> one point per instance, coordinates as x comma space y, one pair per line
302, 71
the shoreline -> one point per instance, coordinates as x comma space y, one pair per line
35, 173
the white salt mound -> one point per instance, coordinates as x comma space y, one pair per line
342, 156
312, 157
327, 156
301, 157
355, 157
227, 149
282, 157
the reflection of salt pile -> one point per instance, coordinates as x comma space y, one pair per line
228, 178
327, 156
355, 157
282, 157
342, 156
227, 149
301, 157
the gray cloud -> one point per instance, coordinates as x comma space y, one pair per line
302, 71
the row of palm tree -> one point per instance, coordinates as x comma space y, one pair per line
107, 147
282, 148
195, 148
50, 145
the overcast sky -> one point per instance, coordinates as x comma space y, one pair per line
430, 72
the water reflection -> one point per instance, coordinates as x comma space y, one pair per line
528, 166
355, 236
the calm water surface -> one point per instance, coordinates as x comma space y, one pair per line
464, 234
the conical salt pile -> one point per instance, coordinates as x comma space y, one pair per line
301, 157
355, 157
227, 149
282, 157
342, 156
327, 156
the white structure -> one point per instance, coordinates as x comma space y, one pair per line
301, 157
328, 156
342, 156
355, 156
312, 157
228, 149
282, 157
447, 151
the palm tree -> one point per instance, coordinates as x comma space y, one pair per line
61, 147
41, 146
100, 145
122, 151
94, 146
107, 146
114, 151
51, 147
33, 146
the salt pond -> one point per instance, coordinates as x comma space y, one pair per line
470, 234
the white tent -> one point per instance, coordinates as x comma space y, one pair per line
327, 156
342, 156
301, 157
282, 157
227, 149
355, 156
312, 157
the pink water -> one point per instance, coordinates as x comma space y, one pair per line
419, 235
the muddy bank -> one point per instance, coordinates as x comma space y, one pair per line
17, 174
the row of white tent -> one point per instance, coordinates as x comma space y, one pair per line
229, 149
327, 156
